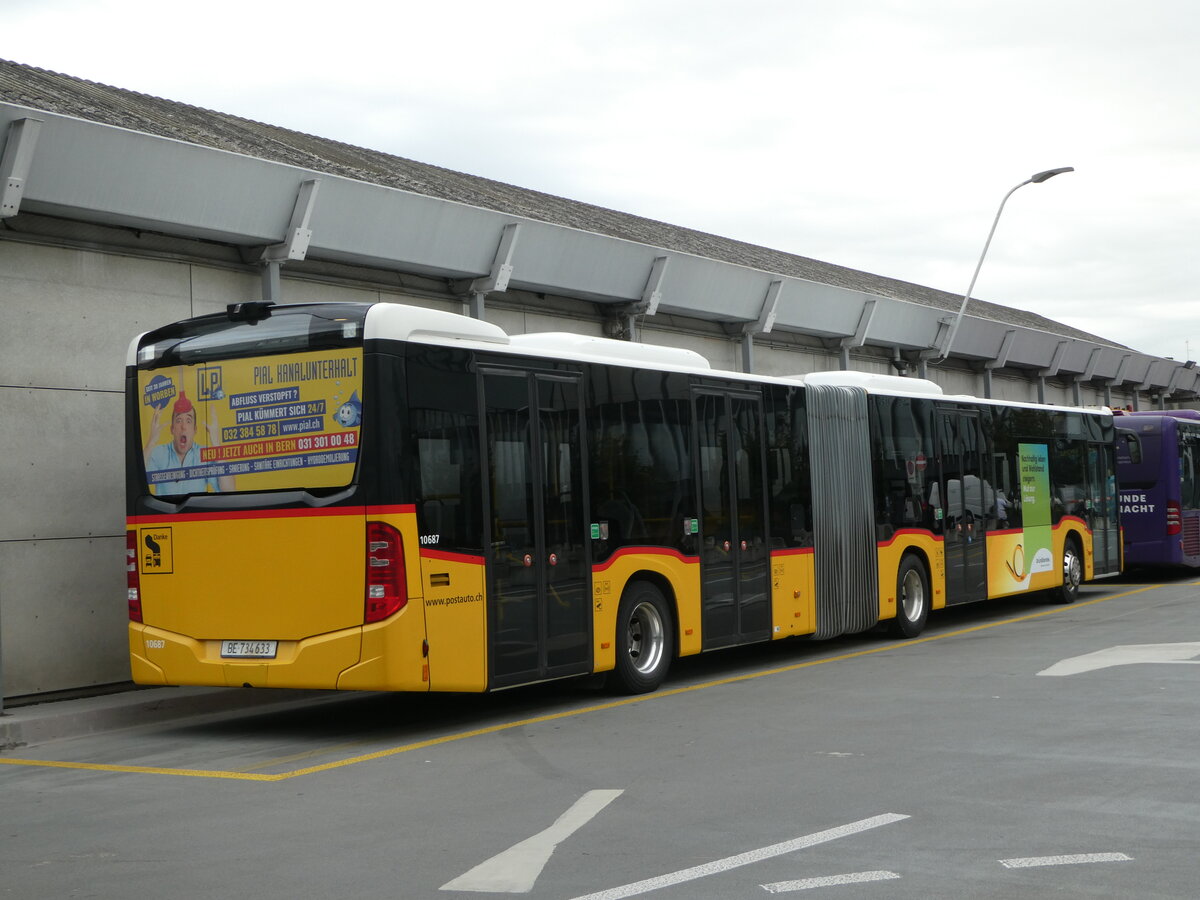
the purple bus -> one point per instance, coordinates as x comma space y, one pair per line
1158, 469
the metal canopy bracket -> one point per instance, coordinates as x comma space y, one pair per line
651, 297
763, 325
770, 309
934, 350
1050, 371
1149, 379
1119, 379
1173, 383
294, 246
502, 268
860, 333
1087, 374
1089, 371
15, 164
1000, 360
1056, 362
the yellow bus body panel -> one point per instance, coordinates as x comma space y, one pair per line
280, 576
892, 551
793, 593
261, 577
609, 579
164, 657
454, 586
1011, 570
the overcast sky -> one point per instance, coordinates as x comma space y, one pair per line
876, 134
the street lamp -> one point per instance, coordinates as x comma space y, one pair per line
1032, 179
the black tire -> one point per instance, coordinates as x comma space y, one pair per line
645, 640
1072, 573
912, 598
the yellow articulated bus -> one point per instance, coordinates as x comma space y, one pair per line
385, 497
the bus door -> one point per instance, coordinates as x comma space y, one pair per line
967, 503
1106, 528
734, 558
539, 621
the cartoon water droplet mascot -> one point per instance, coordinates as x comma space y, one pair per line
349, 414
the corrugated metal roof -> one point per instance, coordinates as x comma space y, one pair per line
67, 95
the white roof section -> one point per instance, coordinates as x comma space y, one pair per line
873, 383
401, 322
595, 349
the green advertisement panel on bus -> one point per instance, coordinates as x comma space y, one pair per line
1023, 558
1035, 506
254, 424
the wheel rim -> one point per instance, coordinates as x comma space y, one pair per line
646, 643
912, 595
1072, 570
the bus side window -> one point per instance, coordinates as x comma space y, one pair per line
1189, 469
1129, 448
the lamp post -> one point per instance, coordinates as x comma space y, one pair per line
1032, 179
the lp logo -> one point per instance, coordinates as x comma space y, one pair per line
209, 383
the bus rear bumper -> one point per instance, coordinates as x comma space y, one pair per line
163, 657
385, 656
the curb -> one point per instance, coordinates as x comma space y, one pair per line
43, 722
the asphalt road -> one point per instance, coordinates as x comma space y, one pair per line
1017, 749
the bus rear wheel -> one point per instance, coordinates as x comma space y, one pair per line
644, 639
1072, 572
912, 598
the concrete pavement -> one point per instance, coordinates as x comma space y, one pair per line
38, 723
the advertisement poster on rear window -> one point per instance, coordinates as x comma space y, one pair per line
257, 424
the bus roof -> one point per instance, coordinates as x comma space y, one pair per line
404, 322
397, 321
1167, 413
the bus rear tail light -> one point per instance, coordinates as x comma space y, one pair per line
386, 590
1174, 517
133, 581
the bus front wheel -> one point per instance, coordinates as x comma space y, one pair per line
1072, 572
644, 640
912, 598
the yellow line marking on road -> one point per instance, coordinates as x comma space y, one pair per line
551, 717
138, 770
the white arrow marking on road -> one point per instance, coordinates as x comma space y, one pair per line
1126, 655
1031, 862
804, 884
743, 859
516, 869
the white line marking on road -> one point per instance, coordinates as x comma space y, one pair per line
516, 869
1126, 655
804, 884
743, 859
1031, 862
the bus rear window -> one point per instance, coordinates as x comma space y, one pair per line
216, 417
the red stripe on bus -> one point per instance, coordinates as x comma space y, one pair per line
247, 514
644, 551
398, 509
793, 551
1074, 519
447, 556
909, 532
235, 514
